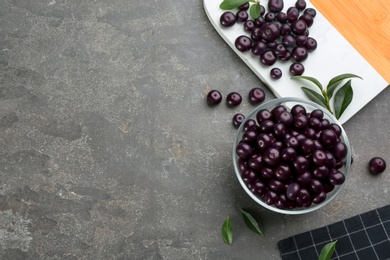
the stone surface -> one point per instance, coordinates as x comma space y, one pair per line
109, 151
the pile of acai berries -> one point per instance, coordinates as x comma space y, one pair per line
275, 34
291, 158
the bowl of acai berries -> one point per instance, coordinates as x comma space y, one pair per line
291, 155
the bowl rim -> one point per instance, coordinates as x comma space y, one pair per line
275, 102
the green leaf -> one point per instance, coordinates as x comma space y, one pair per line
251, 222
313, 80
343, 98
314, 96
231, 4
327, 251
254, 11
334, 82
227, 231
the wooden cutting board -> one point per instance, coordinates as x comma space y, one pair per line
353, 37
366, 25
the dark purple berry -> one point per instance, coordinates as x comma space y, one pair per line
292, 14
275, 5
242, 16
281, 17
269, 32
256, 95
292, 191
249, 25
214, 97
299, 54
263, 115
270, 17
250, 125
243, 43
237, 120
268, 58
244, 150
300, 4
299, 27
258, 48
308, 19
376, 165
227, 19
276, 73
271, 156
288, 154
311, 44
311, 11
233, 99
340, 150
297, 69
336, 177
244, 6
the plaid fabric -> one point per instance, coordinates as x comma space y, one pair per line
362, 237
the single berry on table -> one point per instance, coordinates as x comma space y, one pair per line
376, 165
233, 99
238, 119
214, 97
256, 95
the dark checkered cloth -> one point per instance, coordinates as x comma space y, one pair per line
362, 237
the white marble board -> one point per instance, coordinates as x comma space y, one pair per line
333, 56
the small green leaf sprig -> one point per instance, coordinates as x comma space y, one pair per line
327, 251
342, 96
250, 221
254, 10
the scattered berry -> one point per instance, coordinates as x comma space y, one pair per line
256, 96
376, 165
276, 73
233, 99
214, 97
237, 120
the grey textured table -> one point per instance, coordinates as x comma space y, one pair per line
108, 151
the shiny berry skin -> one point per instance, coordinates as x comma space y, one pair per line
237, 120
275, 5
250, 125
243, 43
376, 165
298, 109
308, 19
271, 156
311, 11
300, 4
292, 14
299, 54
214, 97
336, 177
328, 138
288, 154
244, 6
269, 32
270, 17
233, 99
263, 115
227, 19
242, 16
249, 25
244, 150
258, 48
300, 40
339, 150
297, 69
292, 191
281, 17
311, 44
268, 58
256, 95
276, 73
299, 27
